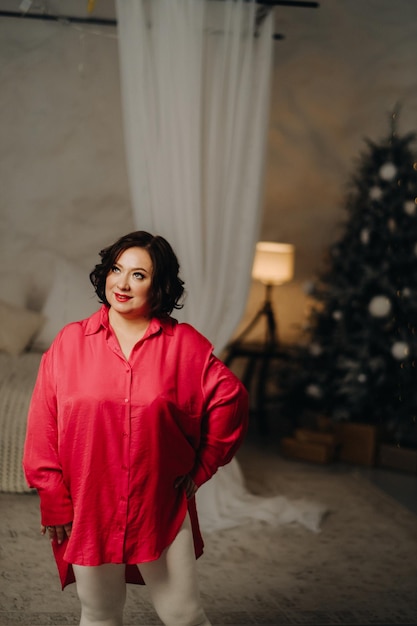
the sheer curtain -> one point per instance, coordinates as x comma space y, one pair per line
195, 84
195, 81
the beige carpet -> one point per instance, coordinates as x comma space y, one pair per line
360, 569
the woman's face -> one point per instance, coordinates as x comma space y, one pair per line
128, 283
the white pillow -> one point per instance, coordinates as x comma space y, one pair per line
17, 327
70, 299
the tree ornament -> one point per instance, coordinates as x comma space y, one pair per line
375, 193
409, 207
315, 349
379, 306
388, 171
365, 236
359, 356
400, 350
313, 391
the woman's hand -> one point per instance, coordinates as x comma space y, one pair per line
58, 532
188, 484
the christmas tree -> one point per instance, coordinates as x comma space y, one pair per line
358, 360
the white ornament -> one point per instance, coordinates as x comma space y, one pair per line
362, 378
400, 350
387, 171
313, 391
409, 207
365, 236
406, 292
315, 349
337, 315
375, 193
379, 306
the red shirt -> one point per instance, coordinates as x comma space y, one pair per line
106, 438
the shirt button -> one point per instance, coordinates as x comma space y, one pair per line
126, 399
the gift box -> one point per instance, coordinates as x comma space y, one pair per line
328, 438
358, 443
306, 450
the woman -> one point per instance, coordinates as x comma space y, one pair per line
130, 414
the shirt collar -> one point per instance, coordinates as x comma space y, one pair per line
100, 319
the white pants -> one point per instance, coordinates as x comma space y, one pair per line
171, 582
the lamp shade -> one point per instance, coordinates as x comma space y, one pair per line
273, 263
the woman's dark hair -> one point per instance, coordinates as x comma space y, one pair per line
166, 286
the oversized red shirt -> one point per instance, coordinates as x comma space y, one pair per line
106, 438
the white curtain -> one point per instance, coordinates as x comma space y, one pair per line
195, 84
195, 79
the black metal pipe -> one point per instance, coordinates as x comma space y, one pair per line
60, 18
112, 22
99, 21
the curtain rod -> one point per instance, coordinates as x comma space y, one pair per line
101, 21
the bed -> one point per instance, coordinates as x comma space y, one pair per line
25, 333
17, 377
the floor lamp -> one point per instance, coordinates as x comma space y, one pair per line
273, 265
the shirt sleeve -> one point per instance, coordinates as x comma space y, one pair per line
225, 420
41, 462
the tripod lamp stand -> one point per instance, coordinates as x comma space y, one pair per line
273, 265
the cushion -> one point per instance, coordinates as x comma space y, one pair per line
17, 327
70, 299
